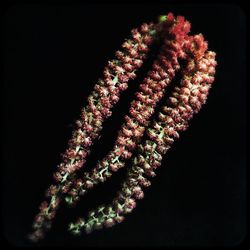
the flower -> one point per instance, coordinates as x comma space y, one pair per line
88, 184
130, 203
109, 222
138, 193
119, 219
185, 100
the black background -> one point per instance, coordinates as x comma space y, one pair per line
53, 55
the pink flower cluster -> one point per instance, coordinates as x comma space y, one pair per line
105, 95
142, 108
185, 100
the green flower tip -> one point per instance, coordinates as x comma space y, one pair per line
71, 227
162, 18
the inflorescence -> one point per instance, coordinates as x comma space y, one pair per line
150, 139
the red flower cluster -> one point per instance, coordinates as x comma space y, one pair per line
185, 100
105, 95
142, 108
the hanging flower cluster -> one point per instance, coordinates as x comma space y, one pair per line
142, 108
105, 95
185, 100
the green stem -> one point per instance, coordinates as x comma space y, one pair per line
161, 134
115, 80
116, 159
65, 177
103, 170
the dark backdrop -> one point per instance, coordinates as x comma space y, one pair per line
53, 55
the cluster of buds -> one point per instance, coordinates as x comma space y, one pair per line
185, 100
142, 108
105, 95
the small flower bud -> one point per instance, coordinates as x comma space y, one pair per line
57, 176
98, 225
119, 54
43, 206
136, 35
137, 63
131, 75
154, 75
82, 192
147, 39
130, 203
184, 99
144, 182
143, 48
150, 173
123, 86
79, 124
36, 236
144, 28
126, 154
89, 184
51, 191
138, 193
133, 53
51, 215
127, 45
113, 167
119, 219
173, 101
126, 59
39, 219
128, 67
109, 222
55, 203
114, 99
123, 78
127, 132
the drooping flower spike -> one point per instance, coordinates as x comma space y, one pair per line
142, 108
105, 95
186, 100
182, 104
